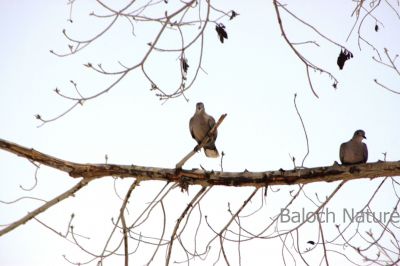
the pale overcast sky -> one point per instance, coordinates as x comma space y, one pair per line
252, 77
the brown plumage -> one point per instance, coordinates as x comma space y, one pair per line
354, 151
200, 124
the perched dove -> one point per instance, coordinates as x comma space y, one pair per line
354, 151
200, 124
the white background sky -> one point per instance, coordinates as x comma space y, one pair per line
252, 77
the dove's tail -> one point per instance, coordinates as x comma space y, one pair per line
212, 153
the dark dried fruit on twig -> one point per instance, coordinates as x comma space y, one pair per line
233, 14
376, 27
311, 242
185, 64
343, 57
153, 87
222, 34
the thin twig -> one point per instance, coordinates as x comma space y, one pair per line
124, 228
322, 238
44, 207
304, 129
385, 87
183, 214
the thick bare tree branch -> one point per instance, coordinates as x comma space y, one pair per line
209, 178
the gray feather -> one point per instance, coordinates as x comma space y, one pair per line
354, 151
200, 124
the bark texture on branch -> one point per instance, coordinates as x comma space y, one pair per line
207, 178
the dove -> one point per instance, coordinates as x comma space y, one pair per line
200, 124
354, 151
